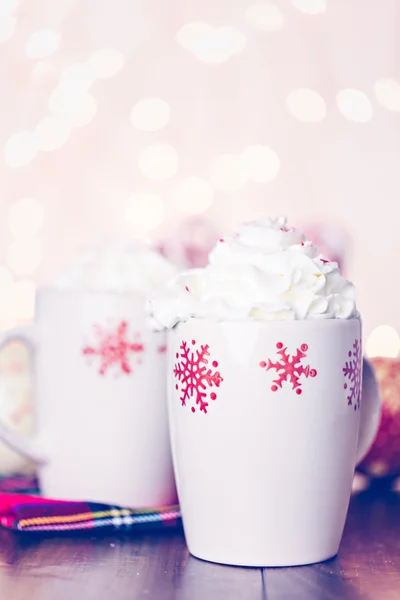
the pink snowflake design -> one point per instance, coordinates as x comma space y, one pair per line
289, 368
113, 348
352, 372
194, 376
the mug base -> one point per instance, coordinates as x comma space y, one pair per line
243, 560
128, 498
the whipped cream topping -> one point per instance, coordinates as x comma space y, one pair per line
265, 271
118, 267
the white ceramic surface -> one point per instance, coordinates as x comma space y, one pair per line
264, 471
100, 397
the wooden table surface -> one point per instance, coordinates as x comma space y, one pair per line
111, 567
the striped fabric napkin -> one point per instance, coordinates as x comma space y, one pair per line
23, 509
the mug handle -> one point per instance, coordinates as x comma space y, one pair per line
27, 446
370, 408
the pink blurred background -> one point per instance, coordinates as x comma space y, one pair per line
178, 119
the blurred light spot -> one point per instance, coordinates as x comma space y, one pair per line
212, 45
260, 163
6, 278
387, 92
24, 299
306, 105
106, 62
7, 7
144, 212
265, 16
43, 69
150, 114
188, 35
78, 77
159, 161
383, 341
24, 256
219, 45
7, 28
42, 43
378, 468
25, 217
193, 195
85, 111
7, 300
354, 105
360, 483
226, 173
20, 149
310, 7
65, 100
52, 133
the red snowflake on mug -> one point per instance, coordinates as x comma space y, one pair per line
289, 367
194, 376
113, 348
352, 372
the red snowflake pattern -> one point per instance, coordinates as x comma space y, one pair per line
194, 376
289, 368
352, 372
113, 348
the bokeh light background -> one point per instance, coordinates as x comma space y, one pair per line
135, 116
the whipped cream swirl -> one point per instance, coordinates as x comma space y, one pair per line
265, 271
118, 267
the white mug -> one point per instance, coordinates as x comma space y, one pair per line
266, 429
100, 400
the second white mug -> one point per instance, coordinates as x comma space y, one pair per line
100, 400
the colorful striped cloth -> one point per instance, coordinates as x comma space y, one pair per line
22, 509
